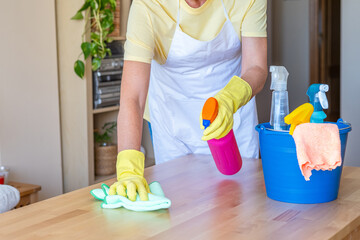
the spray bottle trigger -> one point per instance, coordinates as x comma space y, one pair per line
323, 100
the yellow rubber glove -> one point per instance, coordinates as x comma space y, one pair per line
130, 176
234, 95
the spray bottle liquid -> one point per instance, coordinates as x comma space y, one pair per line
225, 150
317, 96
280, 100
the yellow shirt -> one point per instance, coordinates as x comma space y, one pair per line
152, 24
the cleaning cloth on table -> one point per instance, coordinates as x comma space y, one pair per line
157, 199
317, 147
9, 198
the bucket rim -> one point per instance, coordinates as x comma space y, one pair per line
340, 120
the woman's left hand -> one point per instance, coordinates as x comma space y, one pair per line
234, 95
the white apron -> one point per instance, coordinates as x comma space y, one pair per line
194, 71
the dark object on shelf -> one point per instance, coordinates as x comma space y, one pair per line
116, 48
107, 79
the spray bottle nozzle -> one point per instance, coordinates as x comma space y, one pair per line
324, 87
322, 96
279, 76
316, 93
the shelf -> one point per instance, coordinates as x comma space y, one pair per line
99, 179
107, 109
118, 38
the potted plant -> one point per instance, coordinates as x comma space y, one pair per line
105, 150
99, 16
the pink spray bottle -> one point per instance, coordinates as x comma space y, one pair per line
224, 150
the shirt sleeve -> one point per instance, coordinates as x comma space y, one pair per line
139, 45
254, 21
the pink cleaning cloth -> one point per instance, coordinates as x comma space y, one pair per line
317, 147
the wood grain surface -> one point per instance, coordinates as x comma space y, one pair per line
205, 205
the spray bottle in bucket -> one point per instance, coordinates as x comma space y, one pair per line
316, 93
225, 151
280, 99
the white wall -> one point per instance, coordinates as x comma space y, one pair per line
350, 76
75, 103
290, 31
29, 99
263, 99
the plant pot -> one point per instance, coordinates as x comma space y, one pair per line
105, 160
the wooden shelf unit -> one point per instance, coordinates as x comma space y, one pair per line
99, 179
78, 118
122, 38
107, 109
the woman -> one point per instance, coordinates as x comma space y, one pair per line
182, 52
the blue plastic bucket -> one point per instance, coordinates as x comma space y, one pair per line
283, 179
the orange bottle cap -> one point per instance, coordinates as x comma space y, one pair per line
210, 109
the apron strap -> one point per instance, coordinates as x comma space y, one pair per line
178, 13
178, 16
225, 12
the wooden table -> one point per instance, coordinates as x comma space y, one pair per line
28, 193
205, 205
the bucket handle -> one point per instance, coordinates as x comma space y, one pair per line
340, 120
260, 127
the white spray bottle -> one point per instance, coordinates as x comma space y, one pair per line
280, 99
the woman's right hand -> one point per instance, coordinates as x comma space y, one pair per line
130, 163
130, 176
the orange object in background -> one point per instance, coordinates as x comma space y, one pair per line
209, 111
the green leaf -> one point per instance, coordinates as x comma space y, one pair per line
113, 4
105, 33
77, 16
106, 24
96, 62
95, 37
108, 51
79, 68
94, 48
111, 29
86, 48
85, 6
93, 4
107, 16
102, 54
103, 3
108, 13
108, 131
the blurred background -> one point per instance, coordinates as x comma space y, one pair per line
48, 115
